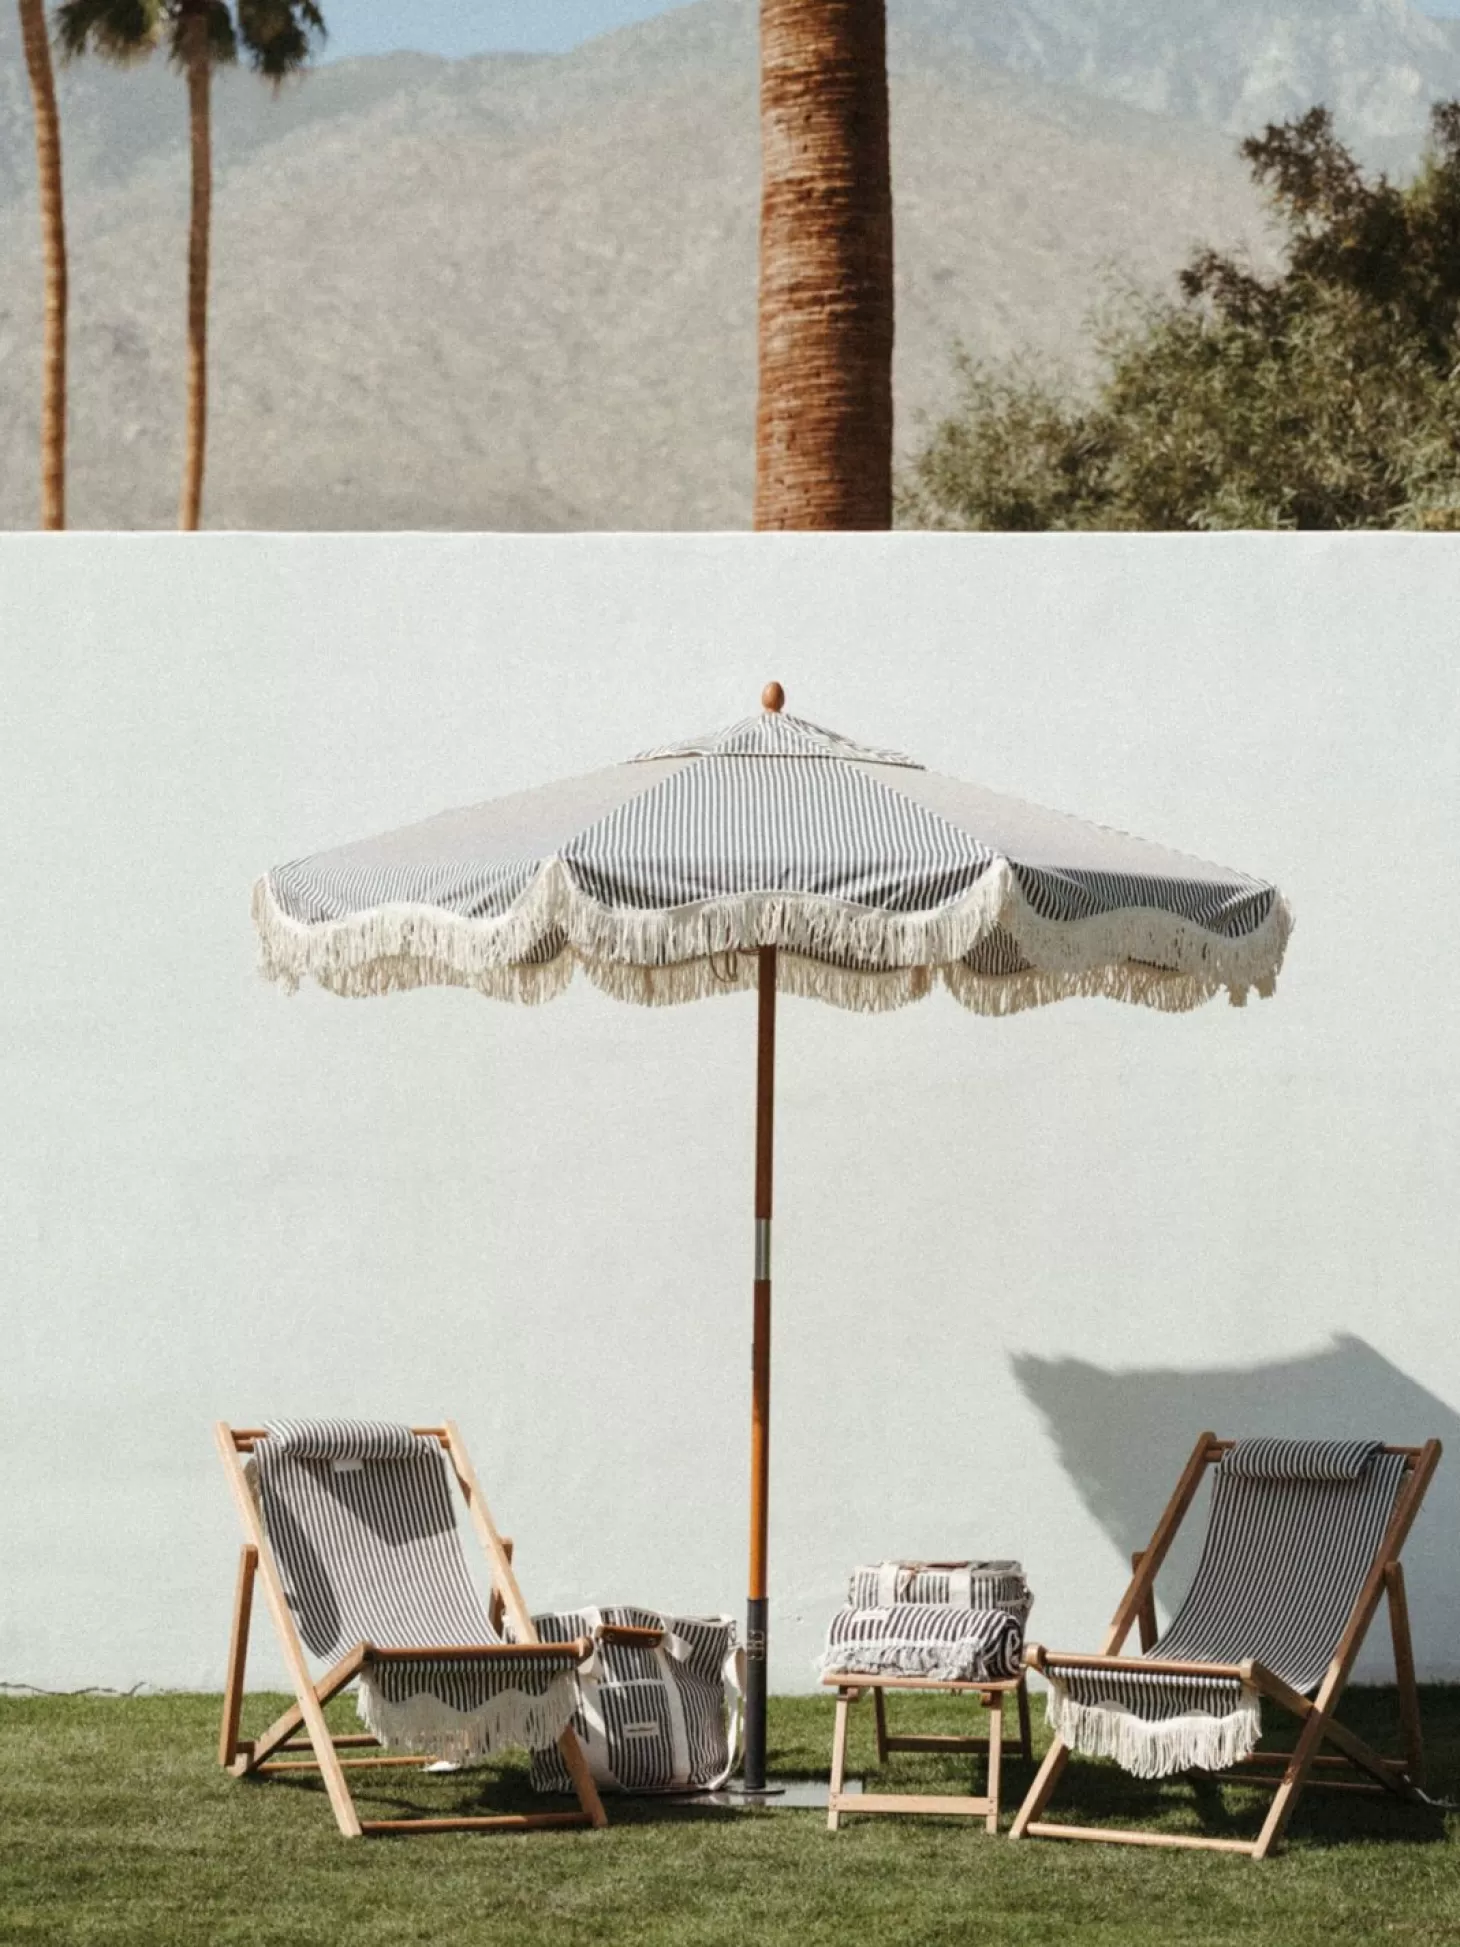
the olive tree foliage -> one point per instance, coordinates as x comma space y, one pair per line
1325, 396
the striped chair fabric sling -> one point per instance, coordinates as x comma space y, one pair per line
1293, 1530
361, 1520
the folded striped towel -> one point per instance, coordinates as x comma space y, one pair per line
964, 1585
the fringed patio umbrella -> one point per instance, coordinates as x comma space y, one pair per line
778, 856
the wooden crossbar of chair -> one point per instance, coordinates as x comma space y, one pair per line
850, 1687
303, 1727
1287, 1773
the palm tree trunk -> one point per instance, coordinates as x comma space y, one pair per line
53, 242
199, 61
824, 415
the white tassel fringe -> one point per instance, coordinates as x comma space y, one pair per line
947, 1662
689, 952
425, 1726
1195, 1741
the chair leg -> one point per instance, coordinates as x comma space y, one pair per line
994, 1704
296, 1716
1390, 1776
331, 1771
838, 1758
1026, 1734
1295, 1774
248, 1561
496, 1609
1146, 1615
879, 1706
1039, 1793
1404, 1671
582, 1777
308, 1711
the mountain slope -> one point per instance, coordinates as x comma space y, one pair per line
1227, 64
1231, 64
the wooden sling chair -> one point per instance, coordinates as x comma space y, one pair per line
351, 1528
1303, 1541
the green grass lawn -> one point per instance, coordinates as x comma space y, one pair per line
116, 1825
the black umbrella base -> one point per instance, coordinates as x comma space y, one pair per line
794, 1795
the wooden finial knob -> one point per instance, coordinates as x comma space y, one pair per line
772, 697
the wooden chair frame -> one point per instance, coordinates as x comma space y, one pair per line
850, 1685
1288, 1771
255, 1757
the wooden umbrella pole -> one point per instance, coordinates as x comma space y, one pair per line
760, 1366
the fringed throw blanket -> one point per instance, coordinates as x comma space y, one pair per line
1293, 1528
361, 1520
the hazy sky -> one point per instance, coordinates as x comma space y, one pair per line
481, 26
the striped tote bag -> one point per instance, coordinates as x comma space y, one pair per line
665, 1719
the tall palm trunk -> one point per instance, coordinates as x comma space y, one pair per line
199, 63
824, 416
53, 243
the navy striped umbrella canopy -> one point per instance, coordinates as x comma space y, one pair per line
661, 878
784, 857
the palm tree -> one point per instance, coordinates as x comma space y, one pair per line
824, 414
278, 37
53, 243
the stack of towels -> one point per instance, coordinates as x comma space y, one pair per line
952, 1622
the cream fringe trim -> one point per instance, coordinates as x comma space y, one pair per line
689, 952
948, 1662
426, 1726
1195, 1741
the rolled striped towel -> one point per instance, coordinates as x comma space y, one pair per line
924, 1639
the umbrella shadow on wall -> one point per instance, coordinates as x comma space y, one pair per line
1123, 1438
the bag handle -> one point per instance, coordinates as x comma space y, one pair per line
629, 1635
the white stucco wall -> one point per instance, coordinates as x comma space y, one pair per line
1020, 1263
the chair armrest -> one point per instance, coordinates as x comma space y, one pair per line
579, 1648
1039, 1658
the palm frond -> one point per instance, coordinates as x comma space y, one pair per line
118, 30
280, 35
218, 22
